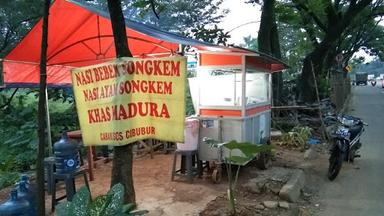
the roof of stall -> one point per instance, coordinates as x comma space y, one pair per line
80, 35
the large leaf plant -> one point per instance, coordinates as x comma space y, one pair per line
110, 204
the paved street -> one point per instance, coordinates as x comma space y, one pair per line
359, 188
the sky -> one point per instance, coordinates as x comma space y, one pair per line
367, 58
240, 13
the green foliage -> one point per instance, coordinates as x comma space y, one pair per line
18, 137
110, 204
250, 43
297, 137
249, 151
180, 15
8, 178
16, 19
189, 109
195, 18
18, 128
324, 87
307, 31
212, 35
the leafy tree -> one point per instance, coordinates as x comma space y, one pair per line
16, 19
250, 43
325, 23
194, 18
181, 15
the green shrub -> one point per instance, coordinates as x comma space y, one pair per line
297, 137
8, 178
110, 204
18, 128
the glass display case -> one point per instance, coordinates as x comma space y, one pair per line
257, 88
222, 88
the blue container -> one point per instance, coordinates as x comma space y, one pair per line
27, 191
15, 206
66, 153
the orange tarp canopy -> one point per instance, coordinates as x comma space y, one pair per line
79, 35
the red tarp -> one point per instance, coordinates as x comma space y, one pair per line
80, 36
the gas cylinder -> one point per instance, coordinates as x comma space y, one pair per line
66, 153
15, 206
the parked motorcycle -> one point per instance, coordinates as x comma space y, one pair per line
345, 135
373, 82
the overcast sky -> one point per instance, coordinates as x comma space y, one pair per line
240, 13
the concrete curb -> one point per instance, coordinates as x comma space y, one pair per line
292, 189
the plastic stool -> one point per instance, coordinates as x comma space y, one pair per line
190, 170
70, 187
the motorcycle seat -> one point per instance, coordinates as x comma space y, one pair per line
354, 130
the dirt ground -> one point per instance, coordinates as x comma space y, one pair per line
162, 197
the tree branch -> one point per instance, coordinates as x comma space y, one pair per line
154, 9
354, 9
6, 40
331, 13
337, 4
9, 100
303, 8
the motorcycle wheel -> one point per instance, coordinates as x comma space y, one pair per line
335, 162
351, 155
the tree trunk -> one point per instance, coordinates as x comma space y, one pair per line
277, 78
335, 27
123, 155
266, 22
313, 61
268, 42
42, 112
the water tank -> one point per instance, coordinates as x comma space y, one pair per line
191, 135
15, 206
66, 153
27, 191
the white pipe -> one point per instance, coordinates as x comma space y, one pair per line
50, 152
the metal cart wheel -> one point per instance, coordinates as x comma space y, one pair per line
216, 171
263, 161
216, 175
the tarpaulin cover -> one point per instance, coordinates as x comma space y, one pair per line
79, 35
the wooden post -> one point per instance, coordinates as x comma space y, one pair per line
122, 155
323, 132
42, 121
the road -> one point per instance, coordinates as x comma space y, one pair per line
359, 188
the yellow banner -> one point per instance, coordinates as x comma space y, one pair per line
131, 99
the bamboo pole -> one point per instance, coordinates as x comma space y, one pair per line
324, 134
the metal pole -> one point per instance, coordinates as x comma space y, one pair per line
243, 86
243, 97
49, 137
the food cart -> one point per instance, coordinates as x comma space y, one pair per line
232, 95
